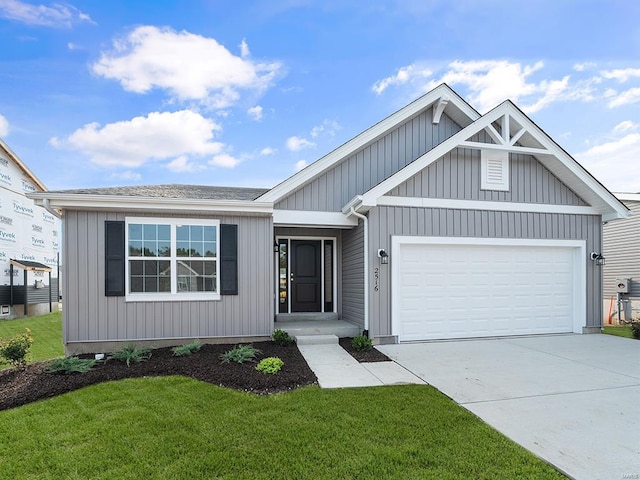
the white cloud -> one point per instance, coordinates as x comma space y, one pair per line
132, 143
296, 144
224, 160
615, 163
621, 74
300, 164
403, 75
244, 49
57, 15
268, 151
187, 66
625, 126
625, 98
255, 113
4, 126
183, 164
128, 175
581, 67
329, 127
489, 82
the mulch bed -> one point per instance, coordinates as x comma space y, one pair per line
372, 355
19, 386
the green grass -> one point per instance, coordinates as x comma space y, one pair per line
46, 331
618, 330
175, 427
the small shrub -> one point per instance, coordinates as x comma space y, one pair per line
68, 365
16, 349
635, 330
187, 349
131, 353
281, 337
240, 354
362, 343
271, 365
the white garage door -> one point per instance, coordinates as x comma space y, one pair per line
469, 290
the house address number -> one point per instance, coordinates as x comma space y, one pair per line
376, 276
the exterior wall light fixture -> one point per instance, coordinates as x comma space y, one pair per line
598, 258
383, 256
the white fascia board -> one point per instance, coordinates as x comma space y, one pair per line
21, 165
122, 203
381, 128
619, 209
304, 218
615, 207
455, 204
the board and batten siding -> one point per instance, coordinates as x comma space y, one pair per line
621, 240
90, 316
353, 275
384, 222
457, 176
372, 164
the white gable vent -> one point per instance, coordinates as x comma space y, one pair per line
494, 170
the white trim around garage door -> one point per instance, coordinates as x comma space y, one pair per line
579, 256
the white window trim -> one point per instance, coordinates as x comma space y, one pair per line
174, 296
487, 183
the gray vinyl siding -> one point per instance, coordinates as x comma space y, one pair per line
90, 316
622, 253
457, 176
432, 222
353, 275
369, 166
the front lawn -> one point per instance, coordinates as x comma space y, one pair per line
46, 331
176, 427
618, 330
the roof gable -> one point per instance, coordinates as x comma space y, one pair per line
13, 157
509, 129
441, 99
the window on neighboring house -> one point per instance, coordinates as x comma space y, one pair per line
494, 170
172, 259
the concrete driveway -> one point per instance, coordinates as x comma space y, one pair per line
573, 400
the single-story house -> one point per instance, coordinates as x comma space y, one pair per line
621, 272
435, 223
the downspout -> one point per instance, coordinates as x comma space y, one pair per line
365, 221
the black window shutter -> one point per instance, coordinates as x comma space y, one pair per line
228, 259
114, 259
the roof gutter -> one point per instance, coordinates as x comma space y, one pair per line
69, 201
47, 206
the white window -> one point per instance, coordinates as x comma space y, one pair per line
172, 259
494, 170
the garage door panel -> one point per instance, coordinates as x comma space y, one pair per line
460, 291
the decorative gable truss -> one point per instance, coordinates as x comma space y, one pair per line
508, 130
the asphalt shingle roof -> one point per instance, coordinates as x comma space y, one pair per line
204, 192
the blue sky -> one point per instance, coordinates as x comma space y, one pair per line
245, 93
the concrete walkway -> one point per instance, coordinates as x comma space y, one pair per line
335, 368
573, 400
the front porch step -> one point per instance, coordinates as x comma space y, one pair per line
339, 328
316, 340
306, 316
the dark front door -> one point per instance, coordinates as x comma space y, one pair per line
305, 278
